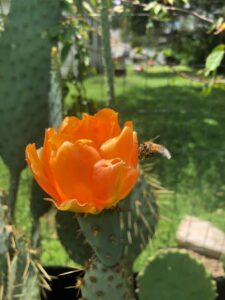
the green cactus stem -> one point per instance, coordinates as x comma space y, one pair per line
25, 47
104, 283
173, 274
13, 190
108, 62
72, 238
138, 218
38, 207
103, 233
55, 96
19, 274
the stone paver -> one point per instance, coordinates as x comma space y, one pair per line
201, 236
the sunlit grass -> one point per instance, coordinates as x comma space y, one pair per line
192, 126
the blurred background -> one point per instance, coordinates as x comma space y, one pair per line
159, 63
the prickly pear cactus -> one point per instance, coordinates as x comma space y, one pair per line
108, 62
19, 275
25, 80
55, 96
138, 218
173, 274
101, 282
117, 236
103, 233
38, 208
72, 238
5, 243
129, 228
22, 275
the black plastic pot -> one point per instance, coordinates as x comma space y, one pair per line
60, 284
120, 72
220, 283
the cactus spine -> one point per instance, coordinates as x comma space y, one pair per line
138, 218
19, 275
106, 283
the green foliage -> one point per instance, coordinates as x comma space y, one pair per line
158, 10
138, 21
214, 59
175, 275
101, 282
186, 31
74, 38
74, 35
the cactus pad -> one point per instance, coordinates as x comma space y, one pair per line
22, 275
175, 275
19, 275
138, 218
102, 283
55, 95
24, 76
72, 238
102, 231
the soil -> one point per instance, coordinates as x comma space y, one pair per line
214, 266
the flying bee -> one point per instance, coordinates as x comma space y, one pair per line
149, 148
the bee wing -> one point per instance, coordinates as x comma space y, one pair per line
164, 152
155, 138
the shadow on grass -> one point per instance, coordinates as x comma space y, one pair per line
153, 74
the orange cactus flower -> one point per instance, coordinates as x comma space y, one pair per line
88, 164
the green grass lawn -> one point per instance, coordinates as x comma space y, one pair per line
190, 124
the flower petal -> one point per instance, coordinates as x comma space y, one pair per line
120, 146
106, 181
68, 124
103, 125
128, 179
134, 151
34, 160
112, 182
87, 165
48, 148
73, 129
75, 206
72, 168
